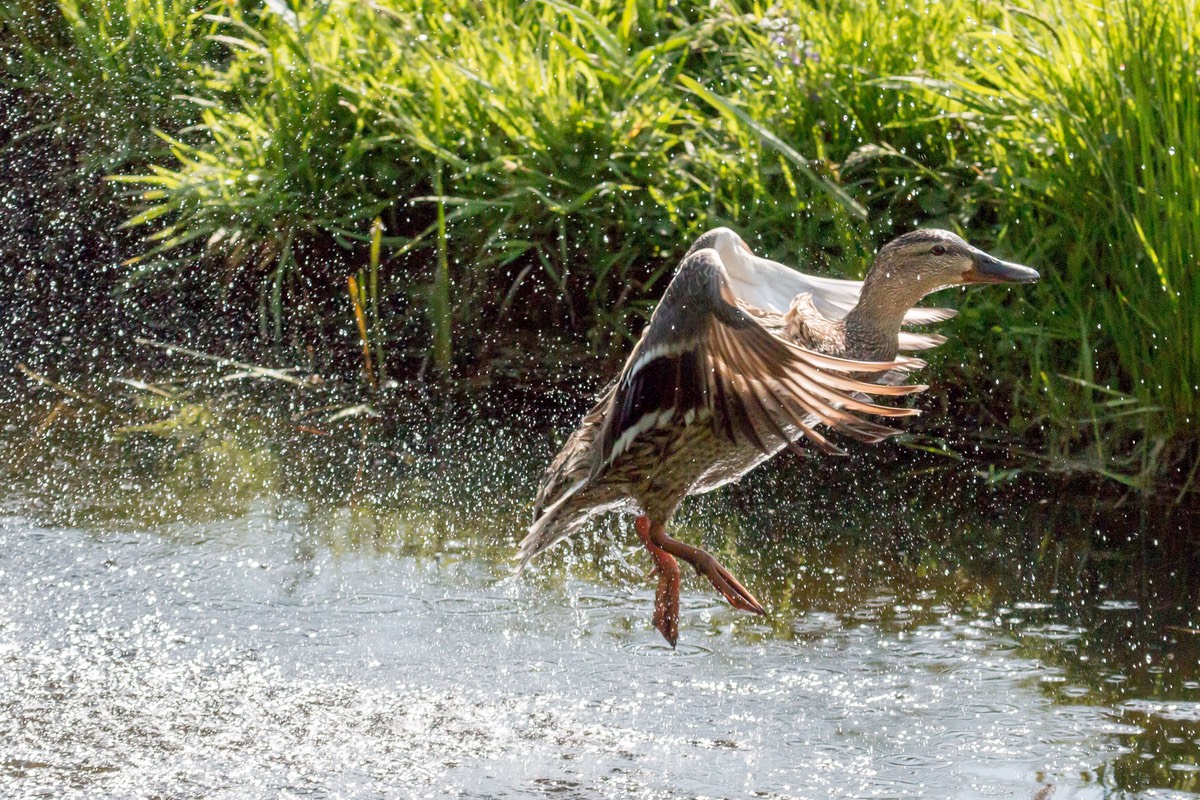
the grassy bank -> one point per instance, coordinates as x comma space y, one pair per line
539, 167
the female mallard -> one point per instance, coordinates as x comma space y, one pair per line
743, 357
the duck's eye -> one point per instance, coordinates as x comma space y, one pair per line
938, 250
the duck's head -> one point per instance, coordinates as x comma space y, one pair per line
931, 259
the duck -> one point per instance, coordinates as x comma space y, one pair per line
742, 358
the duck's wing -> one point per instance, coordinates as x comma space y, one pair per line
703, 360
770, 285
911, 340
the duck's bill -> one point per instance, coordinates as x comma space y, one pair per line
988, 269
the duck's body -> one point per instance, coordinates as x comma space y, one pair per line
730, 370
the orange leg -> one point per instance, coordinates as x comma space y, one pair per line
666, 599
666, 602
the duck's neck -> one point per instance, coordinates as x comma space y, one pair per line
873, 326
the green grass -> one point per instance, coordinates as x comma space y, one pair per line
540, 166
1095, 120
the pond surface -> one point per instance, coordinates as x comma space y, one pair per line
255, 644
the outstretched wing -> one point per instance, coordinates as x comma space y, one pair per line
771, 286
702, 360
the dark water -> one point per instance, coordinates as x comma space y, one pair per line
178, 628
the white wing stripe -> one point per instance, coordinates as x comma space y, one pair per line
658, 351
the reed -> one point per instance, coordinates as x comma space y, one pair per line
358, 304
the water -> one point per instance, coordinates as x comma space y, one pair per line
281, 647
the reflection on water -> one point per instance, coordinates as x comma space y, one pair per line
171, 627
